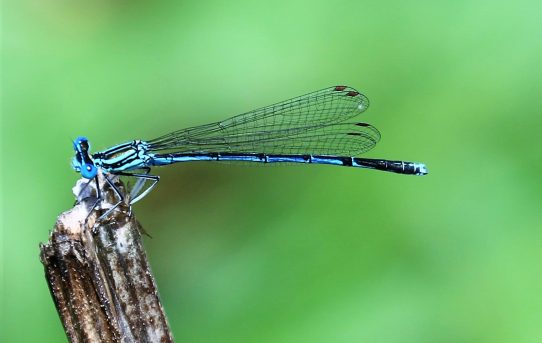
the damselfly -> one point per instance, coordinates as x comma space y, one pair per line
311, 129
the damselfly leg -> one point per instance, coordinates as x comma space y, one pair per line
135, 193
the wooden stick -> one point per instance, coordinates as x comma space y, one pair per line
98, 272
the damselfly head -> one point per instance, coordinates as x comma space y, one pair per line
81, 162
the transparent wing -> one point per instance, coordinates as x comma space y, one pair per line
309, 124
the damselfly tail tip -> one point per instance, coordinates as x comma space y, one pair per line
421, 169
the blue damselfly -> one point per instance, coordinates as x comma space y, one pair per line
311, 129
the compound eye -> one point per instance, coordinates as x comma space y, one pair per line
88, 171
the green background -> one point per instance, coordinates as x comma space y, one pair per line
291, 253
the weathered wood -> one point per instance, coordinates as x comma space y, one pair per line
98, 273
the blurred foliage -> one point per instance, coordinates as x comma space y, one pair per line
292, 253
